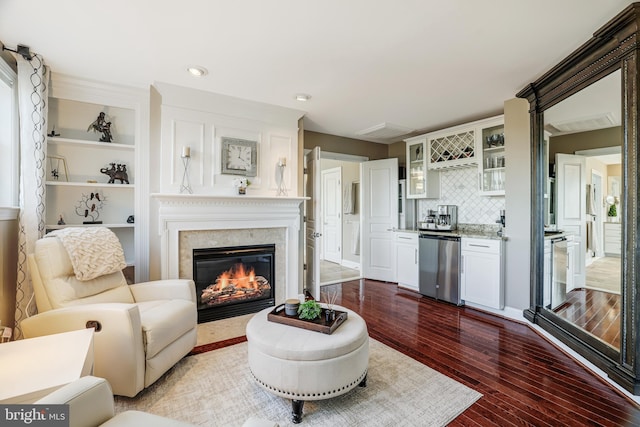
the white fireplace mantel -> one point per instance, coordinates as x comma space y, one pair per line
188, 212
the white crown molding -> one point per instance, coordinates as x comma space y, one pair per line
225, 105
85, 90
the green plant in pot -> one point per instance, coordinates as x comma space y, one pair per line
309, 310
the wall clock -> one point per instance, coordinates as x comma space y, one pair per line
239, 156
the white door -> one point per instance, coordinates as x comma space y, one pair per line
312, 213
332, 214
379, 201
571, 209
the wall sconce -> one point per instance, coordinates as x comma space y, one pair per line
282, 164
186, 158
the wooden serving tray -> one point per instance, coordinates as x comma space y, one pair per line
319, 325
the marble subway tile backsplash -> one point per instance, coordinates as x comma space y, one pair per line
460, 187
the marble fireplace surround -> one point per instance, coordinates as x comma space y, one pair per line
188, 221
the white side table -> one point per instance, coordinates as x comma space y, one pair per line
32, 368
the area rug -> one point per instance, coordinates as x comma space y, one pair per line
216, 389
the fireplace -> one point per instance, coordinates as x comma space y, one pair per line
232, 281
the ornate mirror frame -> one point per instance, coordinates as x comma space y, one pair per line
613, 47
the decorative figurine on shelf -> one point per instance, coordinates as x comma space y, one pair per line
130, 219
53, 133
61, 221
106, 133
100, 124
119, 172
89, 207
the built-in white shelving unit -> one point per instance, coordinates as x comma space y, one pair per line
75, 157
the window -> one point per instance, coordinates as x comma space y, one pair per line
9, 146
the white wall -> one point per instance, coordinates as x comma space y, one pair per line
517, 203
200, 119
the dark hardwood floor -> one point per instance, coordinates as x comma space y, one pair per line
524, 379
594, 311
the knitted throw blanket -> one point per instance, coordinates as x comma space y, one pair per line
94, 251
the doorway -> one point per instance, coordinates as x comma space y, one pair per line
338, 201
344, 203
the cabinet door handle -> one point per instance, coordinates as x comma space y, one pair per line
404, 238
461, 264
415, 256
479, 246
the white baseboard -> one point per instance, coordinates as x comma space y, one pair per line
507, 312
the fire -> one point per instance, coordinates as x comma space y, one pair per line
223, 280
239, 282
238, 277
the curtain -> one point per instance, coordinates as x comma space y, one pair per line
33, 81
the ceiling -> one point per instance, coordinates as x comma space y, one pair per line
597, 106
414, 65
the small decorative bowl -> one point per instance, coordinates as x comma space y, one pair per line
291, 307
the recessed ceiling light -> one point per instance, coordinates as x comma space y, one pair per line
302, 97
198, 71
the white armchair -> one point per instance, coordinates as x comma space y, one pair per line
142, 330
91, 404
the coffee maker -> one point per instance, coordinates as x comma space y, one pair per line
447, 217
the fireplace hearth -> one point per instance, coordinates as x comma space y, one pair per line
232, 281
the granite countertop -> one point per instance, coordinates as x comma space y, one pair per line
556, 234
477, 231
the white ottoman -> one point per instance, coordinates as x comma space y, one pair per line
301, 365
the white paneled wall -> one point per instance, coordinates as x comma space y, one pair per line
200, 119
460, 187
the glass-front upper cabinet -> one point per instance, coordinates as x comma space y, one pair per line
492, 162
421, 183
